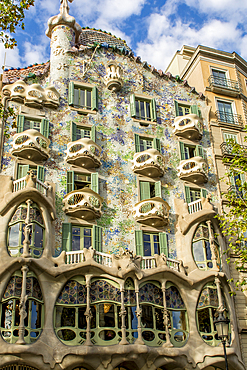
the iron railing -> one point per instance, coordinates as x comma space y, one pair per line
226, 149
223, 83
229, 118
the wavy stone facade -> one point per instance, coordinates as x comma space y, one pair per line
104, 266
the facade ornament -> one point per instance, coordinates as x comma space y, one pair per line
27, 229
166, 318
63, 18
22, 305
113, 77
125, 261
213, 247
122, 314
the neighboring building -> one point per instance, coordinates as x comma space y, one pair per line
109, 254
222, 78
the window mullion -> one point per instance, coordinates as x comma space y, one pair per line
81, 238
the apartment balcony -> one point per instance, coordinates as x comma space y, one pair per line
153, 212
29, 180
83, 153
224, 86
149, 163
193, 170
83, 203
30, 144
227, 150
233, 119
189, 126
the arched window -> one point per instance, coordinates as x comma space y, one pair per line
206, 308
204, 252
16, 233
10, 314
131, 321
178, 320
152, 318
70, 319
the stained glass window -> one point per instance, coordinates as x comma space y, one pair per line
16, 232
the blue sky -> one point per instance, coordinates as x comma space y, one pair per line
154, 29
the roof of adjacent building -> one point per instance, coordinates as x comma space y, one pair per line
36, 70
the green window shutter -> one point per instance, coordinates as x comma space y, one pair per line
44, 127
176, 107
153, 110
132, 105
76, 97
73, 131
158, 189
204, 193
187, 194
93, 133
71, 93
70, 181
145, 190
20, 123
95, 98
66, 237
156, 144
139, 243
22, 170
137, 143
163, 243
194, 109
97, 238
41, 173
95, 182
181, 149
199, 151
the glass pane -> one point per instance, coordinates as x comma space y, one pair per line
134, 321
106, 315
142, 109
36, 125
198, 251
180, 111
93, 320
7, 315
142, 145
208, 251
38, 239
147, 316
137, 109
68, 316
87, 133
159, 319
147, 110
17, 313
204, 320
14, 235
89, 102
82, 323
179, 320
147, 244
82, 102
87, 238
27, 124
79, 133
76, 238
36, 315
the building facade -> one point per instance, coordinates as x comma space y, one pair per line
111, 255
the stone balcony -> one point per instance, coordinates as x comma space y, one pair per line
149, 163
193, 170
30, 144
113, 78
189, 127
83, 153
83, 203
152, 212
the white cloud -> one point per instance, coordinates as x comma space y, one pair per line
35, 53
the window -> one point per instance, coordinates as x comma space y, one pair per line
225, 112
24, 123
190, 151
143, 109
22, 170
203, 241
77, 237
83, 97
10, 316
207, 306
237, 184
148, 244
77, 181
150, 189
219, 77
143, 143
17, 227
183, 109
192, 194
80, 132
131, 320
229, 136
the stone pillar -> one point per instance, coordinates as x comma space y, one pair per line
212, 246
88, 313
27, 231
221, 307
138, 315
22, 306
166, 317
123, 316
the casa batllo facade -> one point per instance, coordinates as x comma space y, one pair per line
111, 256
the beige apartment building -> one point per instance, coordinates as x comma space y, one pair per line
222, 78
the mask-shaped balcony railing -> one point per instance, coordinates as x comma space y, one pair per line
193, 170
152, 212
83, 203
31, 144
30, 181
113, 77
149, 163
189, 126
231, 118
83, 153
222, 83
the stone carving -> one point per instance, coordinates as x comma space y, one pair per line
30, 179
113, 77
193, 170
152, 212
149, 163
125, 261
189, 126
30, 144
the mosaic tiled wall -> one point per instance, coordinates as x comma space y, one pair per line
115, 134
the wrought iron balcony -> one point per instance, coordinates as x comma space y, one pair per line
223, 85
152, 212
189, 126
235, 119
226, 149
83, 153
83, 203
193, 170
149, 163
31, 144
